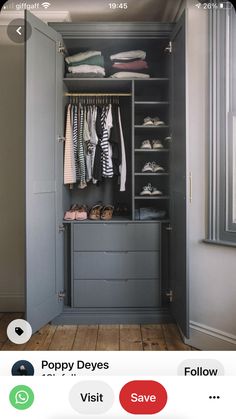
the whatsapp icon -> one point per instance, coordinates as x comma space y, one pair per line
21, 397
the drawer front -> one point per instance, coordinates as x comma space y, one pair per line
108, 265
116, 237
117, 293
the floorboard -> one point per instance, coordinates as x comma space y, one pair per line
148, 337
173, 338
130, 338
86, 338
108, 338
63, 338
153, 337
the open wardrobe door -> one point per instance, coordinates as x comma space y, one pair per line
178, 211
44, 174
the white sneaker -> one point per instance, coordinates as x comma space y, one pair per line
156, 144
148, 167
146, 144
156, 168
147, 190
156, 192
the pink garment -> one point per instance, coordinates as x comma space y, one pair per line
133, 65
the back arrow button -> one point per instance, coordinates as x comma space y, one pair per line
19, 30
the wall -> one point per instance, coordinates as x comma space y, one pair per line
211, 268
11, 175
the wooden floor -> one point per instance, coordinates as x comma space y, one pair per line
148, 337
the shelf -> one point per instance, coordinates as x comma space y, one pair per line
151, 126
161, 150
97, 85
151, 174
151, 103
152, 197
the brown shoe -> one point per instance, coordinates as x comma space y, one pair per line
95, 212
107, 212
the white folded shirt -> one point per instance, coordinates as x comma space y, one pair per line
129, 55
81, 56
85, 68
129, 75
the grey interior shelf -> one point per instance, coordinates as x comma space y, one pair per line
141, 150
152, 197
151, 103
151, 174
151, 126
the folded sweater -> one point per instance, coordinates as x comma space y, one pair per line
97, 60
129, 75
87, 69
127, 55
134, 65
81, 56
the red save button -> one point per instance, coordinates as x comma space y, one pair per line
143, 397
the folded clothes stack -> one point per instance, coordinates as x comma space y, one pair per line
87, 64
129, 64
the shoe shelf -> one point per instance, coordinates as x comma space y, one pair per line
142, 150
151, 103
146, 197
151, 126
151, 174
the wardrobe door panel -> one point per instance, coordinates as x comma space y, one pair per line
44, 243
114, 265
117, 293
178, 169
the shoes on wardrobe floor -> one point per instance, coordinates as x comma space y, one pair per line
152, 168
107, 212
95, 212
81, 213
70, 215
149, 190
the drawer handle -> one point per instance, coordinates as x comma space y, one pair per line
120, 252
116, 280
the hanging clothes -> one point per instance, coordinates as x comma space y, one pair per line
94, 146
69, 158
82, 169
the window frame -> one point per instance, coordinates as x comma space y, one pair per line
222, 141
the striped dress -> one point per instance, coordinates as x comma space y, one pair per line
75, 138
81, 155
107, 167
69, 158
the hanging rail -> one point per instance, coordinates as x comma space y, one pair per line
98, 94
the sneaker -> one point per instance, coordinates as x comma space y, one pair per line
147, 121
156, 168
147, 190
156, 144
156, 192
146, 145
148, 167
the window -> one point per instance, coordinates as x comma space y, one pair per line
222, 145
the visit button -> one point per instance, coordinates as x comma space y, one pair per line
143, 397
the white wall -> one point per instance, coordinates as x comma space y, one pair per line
12, 206
212, 269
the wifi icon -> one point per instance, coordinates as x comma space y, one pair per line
46, 5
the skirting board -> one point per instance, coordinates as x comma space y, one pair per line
207, 338
12, 303
106, 316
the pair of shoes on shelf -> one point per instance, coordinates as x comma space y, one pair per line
151, 145
149, 190
121, 210
76, 212
152, 168
98, 212
148, 121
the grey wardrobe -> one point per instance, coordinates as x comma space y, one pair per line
125, 270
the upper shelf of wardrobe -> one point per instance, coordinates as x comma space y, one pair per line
113, 30
93, 84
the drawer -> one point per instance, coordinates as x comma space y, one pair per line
114, 265
117, 293
116, 237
